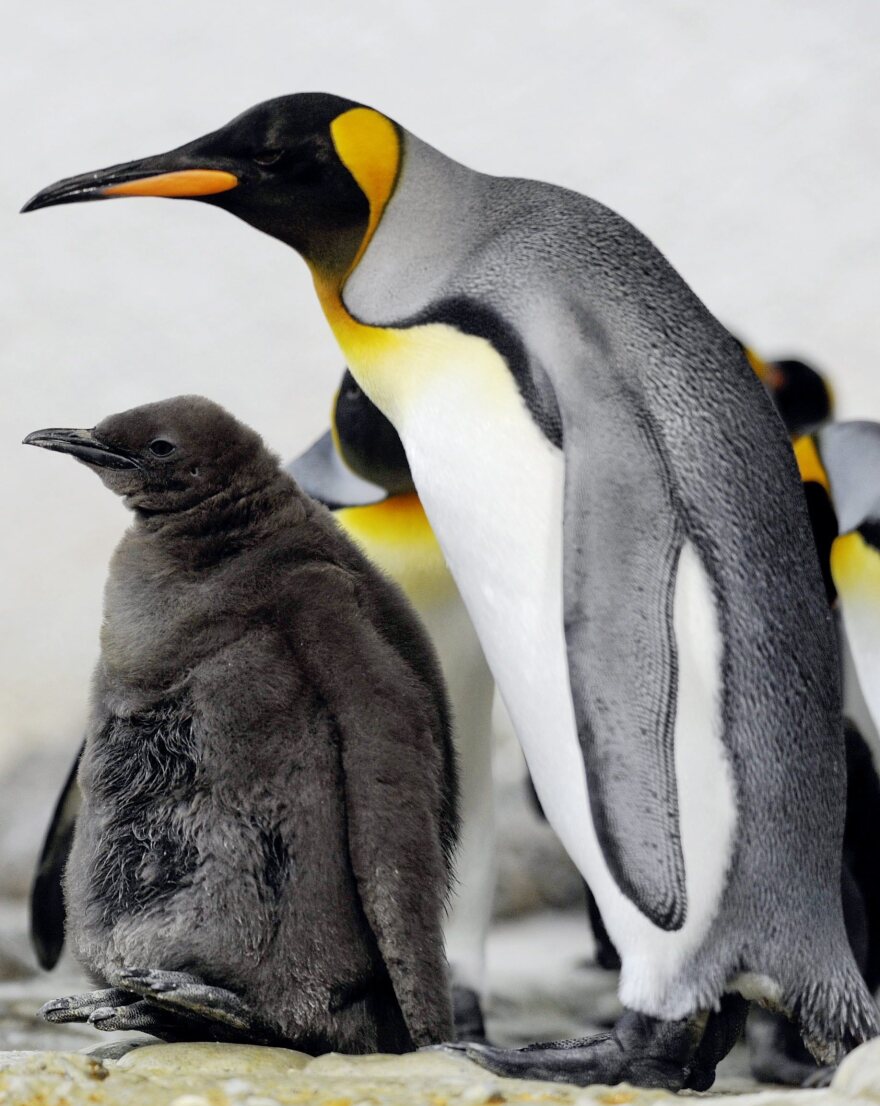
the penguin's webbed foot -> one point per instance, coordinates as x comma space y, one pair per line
79, 1008
215, 1009
141, 1016
114, 1009
641, 1050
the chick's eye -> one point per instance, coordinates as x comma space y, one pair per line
268, 156
161, 448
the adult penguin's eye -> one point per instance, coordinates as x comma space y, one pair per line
160, 448
268, 157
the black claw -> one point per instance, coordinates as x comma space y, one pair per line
135, 973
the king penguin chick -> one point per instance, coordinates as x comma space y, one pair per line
619, 507
359, 469
268, 782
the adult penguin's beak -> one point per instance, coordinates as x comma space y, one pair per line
83, 445
179, 174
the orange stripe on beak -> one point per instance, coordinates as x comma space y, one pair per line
186, 182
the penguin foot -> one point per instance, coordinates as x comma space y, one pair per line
79, 1008
641, 1050
138, 1015
778, 1055
467, 1015
228, 1016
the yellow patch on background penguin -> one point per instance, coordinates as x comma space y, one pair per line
855, 566
810, 463
768, 374
397, 536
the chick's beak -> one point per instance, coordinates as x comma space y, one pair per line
83, 445
177, 174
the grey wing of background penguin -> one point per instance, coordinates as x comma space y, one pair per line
322, 473
47, 897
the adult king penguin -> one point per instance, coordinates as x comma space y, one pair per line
620, 508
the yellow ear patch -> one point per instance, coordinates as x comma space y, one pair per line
809, 462
855, 566
368, 145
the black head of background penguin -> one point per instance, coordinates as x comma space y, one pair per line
167, 457
275, 166
367, 441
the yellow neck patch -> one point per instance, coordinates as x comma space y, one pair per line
368, 145
809, 462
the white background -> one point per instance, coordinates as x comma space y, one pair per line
743, 138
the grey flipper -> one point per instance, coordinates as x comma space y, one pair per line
47, 897
321, 473
850, 452
621, 645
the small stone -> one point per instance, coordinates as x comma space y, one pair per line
189, 1100
237, 1086
480, 1093
212, 1059
859, 1074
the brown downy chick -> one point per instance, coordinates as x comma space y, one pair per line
263, 850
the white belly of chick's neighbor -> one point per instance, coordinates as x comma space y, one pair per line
492, 487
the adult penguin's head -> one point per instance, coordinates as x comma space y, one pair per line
312, 170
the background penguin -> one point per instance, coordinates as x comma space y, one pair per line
620, 509
268, 780
843, 509
374, 500
840, 466
803, 397
842, 462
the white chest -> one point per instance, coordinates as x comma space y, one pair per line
492, 487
